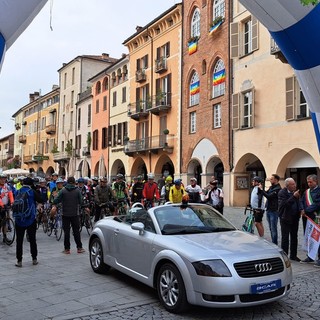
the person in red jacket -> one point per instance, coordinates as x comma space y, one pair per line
150, 191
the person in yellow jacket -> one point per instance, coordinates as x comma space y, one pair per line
176, 192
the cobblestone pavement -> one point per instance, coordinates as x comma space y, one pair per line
64, 287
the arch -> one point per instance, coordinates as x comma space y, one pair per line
218, 8
84, 169
194, 93
139, 168
105, 84
215, 168
40, 172
98, 87
218, 79
195, 23
49, 171
194, 169
117, 167
96, 169
251, 165
164, 167
62, 172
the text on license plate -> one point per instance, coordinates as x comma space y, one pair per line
265, 287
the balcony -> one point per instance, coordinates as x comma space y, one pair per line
139, 109
152, 144
161, 103
141, 75
51, 129
276, 51
28, 159
161, 65
22, 138
86, 152
61, 156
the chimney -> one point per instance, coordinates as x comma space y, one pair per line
138, 28
105, 56
55, 86
31, 97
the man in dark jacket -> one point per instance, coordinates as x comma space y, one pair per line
272, 206
289, 213
102, 197
71, 199
28, 224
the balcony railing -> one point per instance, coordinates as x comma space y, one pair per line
161, 65
61, 156
23, 138
139, 109
141, 75
28, 159
86, 152
161, 103
153, 144
51, 129
276, 51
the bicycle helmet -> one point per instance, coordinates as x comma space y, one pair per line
168, 179
54, 174
139, 178
193, 179
257, 179
177, 182
95, 179
41, 180
150, 176
60, 180
120, 176
81, 180
3, 175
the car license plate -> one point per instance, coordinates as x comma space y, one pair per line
266, 286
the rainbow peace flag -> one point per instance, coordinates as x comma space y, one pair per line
219, 77
215, 27
195, 88
192, 47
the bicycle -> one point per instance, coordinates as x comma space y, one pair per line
85, 220
55, 226
43, 214
121, 207
148, 203
248, 224
7, 227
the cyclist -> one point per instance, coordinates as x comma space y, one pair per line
43, 191
6, 198
52, 183
102, 197
194, 191
176, 192
137, 188
166, 188
86, 196
150, 190
120, 191
53, 195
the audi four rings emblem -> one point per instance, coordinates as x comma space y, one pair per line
263, 267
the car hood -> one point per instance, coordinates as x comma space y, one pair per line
236, 243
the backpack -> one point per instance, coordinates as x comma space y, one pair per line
22, 207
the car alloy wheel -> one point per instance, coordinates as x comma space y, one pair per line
96, 257
171, 289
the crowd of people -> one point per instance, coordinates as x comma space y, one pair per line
288, 205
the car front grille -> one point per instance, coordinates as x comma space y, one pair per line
259, 268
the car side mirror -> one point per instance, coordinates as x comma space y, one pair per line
139, 226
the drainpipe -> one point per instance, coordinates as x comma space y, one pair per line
151, 94
181, 91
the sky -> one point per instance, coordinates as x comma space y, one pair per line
79, 27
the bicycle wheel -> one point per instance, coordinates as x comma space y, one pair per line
58, 228
50, 227
11, 231
45, 222
38, 218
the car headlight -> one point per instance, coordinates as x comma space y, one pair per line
211, 268
286, 259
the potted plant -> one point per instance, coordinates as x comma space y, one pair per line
193, 39
68, 148
214, 25
160, 98
89, 139
54, 149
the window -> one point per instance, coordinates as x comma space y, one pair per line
195, 24
89, 114
105, 84
63, 122
78, 141
218, 79
217, 116
194, 90
219, 7
104, 138
303, 109
244, 37
73, 75
163, 90
72, 98
43, 123
71, 121
98, 87
95, 140
79, 119
65, 81
35, 126
193, 123
104, 103
97, 106
124, 94
247, 110
114, 98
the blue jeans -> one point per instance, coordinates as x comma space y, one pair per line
272, 218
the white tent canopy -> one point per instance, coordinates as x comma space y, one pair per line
16, 172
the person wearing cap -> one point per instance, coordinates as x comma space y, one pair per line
150, 190
136, 192
257, 204
166, 188
29, 224
120, 190
215, 196
52, 195
103, 196
71, 199
177, 192
52, 183
6, 198
194, 191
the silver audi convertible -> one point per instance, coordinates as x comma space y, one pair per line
191, 255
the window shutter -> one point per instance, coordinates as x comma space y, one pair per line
146, 61
158, 89
169, 89
234, 36
235, 111
290, 97
252, 108
138, 64
168, 49
109, 136
158, 53
255, 34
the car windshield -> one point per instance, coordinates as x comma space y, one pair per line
191, 219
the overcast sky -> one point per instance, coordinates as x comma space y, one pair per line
79, 27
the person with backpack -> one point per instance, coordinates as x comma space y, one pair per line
215, 196
24, 212
71, 199
120, 191
166, 188
177, 192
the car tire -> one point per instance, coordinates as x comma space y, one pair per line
96, 257
171, 289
